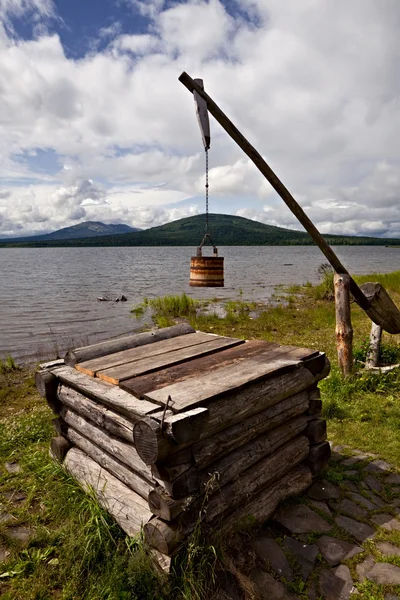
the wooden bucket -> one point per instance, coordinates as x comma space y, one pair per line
207, 271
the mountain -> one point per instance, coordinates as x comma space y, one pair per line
226, 230
87, 229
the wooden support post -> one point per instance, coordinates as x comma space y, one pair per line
344, 330
374, 346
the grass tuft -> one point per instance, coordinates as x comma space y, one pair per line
167, 308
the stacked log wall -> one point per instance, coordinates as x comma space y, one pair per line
235, 455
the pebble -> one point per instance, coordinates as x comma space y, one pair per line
363, 501
334, 550
351, 508
5, 517
350, 485
324, 490
373, 483
12, 467
386, 521
387, 549
267, 587
301, 519
385, 574
353, 460
4, 554
20, 533
364, 568
394, 478
336, 584
321, 506
15, 496
378, 466
305, 555
376, 500
268, 550
360, 531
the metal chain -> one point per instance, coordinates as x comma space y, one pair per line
207, 191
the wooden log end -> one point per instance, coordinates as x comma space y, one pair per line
165, 507
187, 427
149, 441
59, 447
314, 407
164, 537
314, 393
60, 426
316, 431
46, 385
318, 457
70, 358
318, 364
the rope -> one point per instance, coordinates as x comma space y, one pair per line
207, 228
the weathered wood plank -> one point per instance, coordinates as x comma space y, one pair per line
147, 365
168, 537
255, 478
264, 504
190, 393
105, 393
185, 479
124, 452
100, 415
207, 450
90, 367
233, 464
153, 381
84, 353
240, 404
248, 389
134, 481
223, 499
121, 502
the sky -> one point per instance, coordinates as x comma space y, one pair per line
94, 124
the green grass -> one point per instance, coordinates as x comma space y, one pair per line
8, 364
164, 310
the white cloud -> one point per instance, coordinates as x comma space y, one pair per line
313, 84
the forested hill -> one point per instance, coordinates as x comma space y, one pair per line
227, 230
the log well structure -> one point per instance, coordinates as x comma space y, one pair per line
175, 426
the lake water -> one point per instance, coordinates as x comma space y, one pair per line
48, 296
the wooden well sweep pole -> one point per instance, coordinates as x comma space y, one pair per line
344, 330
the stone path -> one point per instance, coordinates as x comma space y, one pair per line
339, 540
